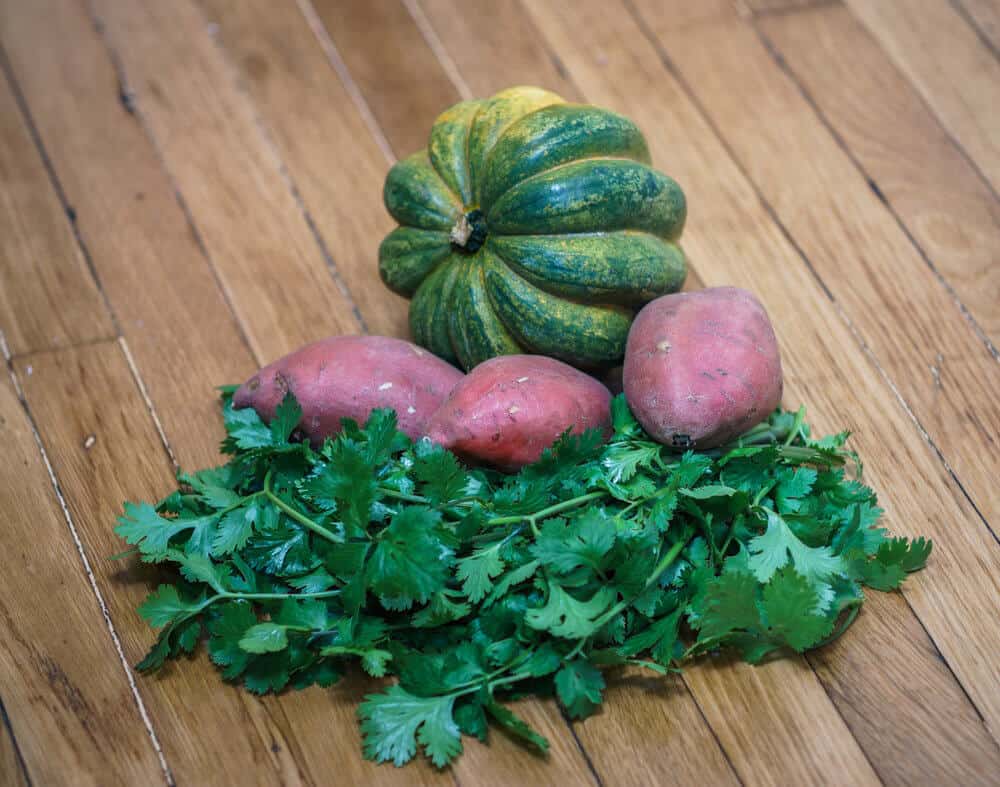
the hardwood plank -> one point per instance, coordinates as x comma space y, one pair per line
984, 15
898, 142
47, 296
183, 336
64, 689
802, 694
650, 731
913, 678
11, 769
766, 6
883, 285
211, 732
731, 239
480, 36
256, 235
399, 76
956, 74
322, 138
504, 761
668, 734
181, 332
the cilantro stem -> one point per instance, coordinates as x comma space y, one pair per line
273, 596
800, 417
388, 491
226, 594
557, 508
652, 579
490, 678
852, 611
763, 493
302, 519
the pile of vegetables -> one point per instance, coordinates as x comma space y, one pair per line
517, 530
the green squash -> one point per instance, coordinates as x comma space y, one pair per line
531, 225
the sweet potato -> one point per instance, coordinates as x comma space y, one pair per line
348, 377
507, 410
702, 367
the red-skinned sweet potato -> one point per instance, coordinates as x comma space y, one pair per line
348, 377
509, 409
702, 367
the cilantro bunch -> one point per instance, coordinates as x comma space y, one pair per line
294, 562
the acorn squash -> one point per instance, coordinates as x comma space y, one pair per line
531, 225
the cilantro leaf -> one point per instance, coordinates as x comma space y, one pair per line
142, 526
287, 416
790, 607
565, 616
164, 605
410, 562
583, 543
234, 530
778, 544
245, 428
477, 572
579, 686
227, 627
727, 603
439, 473
910, 556
517, 726
264, 638
394, 721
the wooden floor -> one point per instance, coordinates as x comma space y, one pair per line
191, 188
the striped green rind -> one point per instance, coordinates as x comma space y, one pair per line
407, 255
431, 307
448, 147
606, 267
416, 196
556, 135
547, 324
495, 116
477, 334
594, 195
579, 231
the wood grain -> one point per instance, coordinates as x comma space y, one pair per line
985, 17
229, 175
956, 74
731, 239
912, 677
668, 732
765, 6
181, 332
322, 138
237, 115
883, 287
650, 731
11, 770
490, 33
397, 73
47, 296
900, 145
212, 733
882, 284
505, 761
801, 695
64, 688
